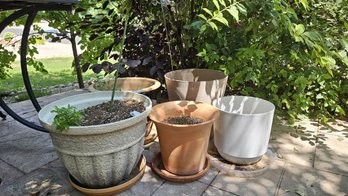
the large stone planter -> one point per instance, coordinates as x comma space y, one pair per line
183, 147
103, 155
242, 131
202, 85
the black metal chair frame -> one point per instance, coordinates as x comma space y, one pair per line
29, 8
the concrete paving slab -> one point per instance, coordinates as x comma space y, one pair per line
28, 153
176, 189
8, 173
299, 180
41, 182
265, 184
212, 191
295, 144
147, 185
332, 153
209, 176
14, 130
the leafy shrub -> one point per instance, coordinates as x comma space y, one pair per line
8, 36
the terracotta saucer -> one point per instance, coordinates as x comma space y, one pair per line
126, 184
150, 136
158, 168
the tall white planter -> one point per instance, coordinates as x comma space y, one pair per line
242, 131
102, 155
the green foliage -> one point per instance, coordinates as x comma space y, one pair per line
7, 58
66, 117
8, 36
293, 54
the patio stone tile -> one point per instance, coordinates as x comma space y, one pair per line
8, 173
43, 181
147, 185
14, 130
299, 180
176, 189
294, 144
331, 153
212, 191
28, 153
149, 155
209, 176
265, 184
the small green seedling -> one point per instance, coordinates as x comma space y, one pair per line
66, 117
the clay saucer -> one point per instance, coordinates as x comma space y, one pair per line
124, 185
158, 168
150, 136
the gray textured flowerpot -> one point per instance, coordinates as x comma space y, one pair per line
242, 131
202, 85
102, 155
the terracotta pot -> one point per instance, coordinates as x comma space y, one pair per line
98, 156
183, 147
202, 85
242, 131
134, 84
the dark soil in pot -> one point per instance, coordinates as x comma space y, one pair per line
121, 110
184, 120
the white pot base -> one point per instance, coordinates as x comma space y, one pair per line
240, 160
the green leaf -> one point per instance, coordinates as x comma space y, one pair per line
234, 12
222, 2
221, 19
213, 25
216, 3
203, 17
299, 29
208, 11
242, 9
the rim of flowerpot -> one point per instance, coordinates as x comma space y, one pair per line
155, 84
153, 117
46, 117
270, 106
220, 75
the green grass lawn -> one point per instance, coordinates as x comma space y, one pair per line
59, 72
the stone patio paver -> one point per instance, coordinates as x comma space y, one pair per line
310, 181
176, 189
8, 173
294, 144
27, 153
212, 191
332, 152
265, 184
147, 185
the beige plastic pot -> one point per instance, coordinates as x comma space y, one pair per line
242, 131
202, 85
183, 147
102, 155
134, 84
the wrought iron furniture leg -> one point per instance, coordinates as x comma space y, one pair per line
24, 47
7, 21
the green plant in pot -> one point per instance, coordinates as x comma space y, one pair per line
99, 153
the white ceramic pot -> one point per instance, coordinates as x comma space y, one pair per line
201, 85
242, 131
102, 155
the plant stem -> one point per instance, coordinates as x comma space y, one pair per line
120, 59
168, 38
